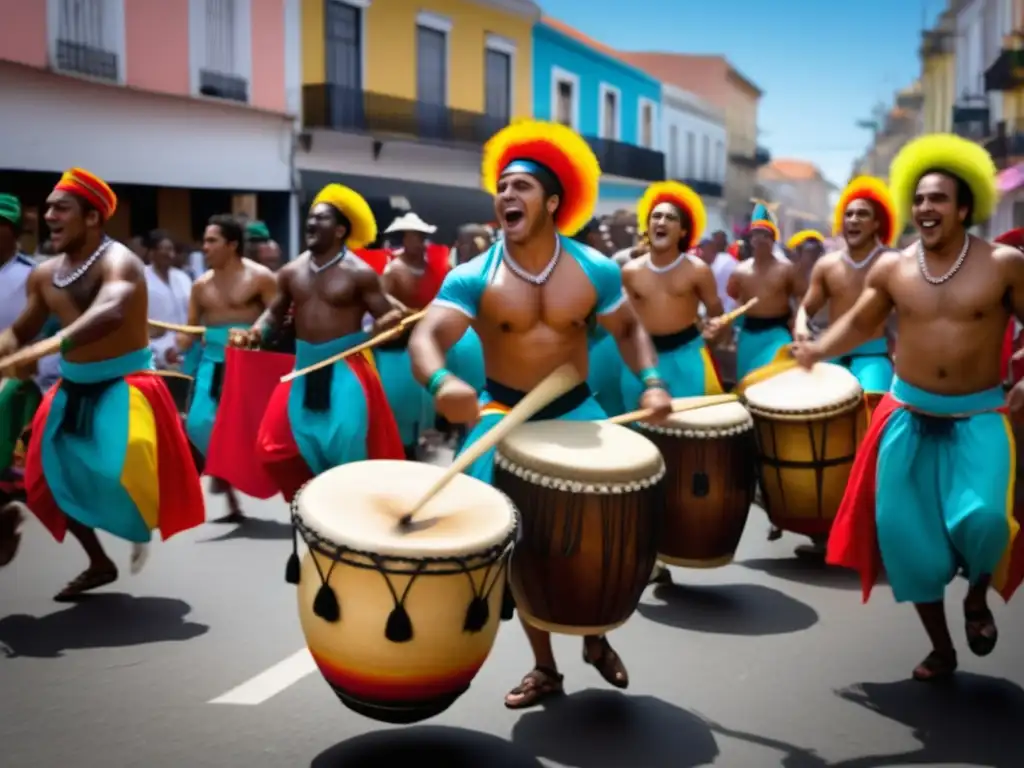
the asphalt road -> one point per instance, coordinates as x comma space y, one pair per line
199, 661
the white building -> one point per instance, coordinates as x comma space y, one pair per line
695, 147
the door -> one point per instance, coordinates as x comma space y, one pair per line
432, 82
497, 90
344, 63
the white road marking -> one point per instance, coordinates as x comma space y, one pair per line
270, 682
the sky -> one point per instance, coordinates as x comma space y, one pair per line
822, 64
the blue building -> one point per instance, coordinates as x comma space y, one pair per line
583, 84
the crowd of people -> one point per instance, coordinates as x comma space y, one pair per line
645, 306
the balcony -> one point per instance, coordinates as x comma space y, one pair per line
353, 110
1006, 72
704, 188
1005, 147
84, 59
971, 122
761, 156
221, 86
628, 160
936, 42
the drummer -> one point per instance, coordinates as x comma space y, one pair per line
232, 294
338, 413
774, 281
107, 450
931, 488
529, 297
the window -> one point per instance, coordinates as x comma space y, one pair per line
222, 44
498, 56
673, 152
432, 76
691, 160
610, 112
565, 98
87, 37
343, 52
646, 123
706, 156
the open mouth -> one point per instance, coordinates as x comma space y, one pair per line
928, 224
513, 217
660, 232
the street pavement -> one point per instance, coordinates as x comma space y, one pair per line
200, 661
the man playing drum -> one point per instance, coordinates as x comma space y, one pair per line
774, 282
866, 215
530, 307
338, 413
931, 490
107, 449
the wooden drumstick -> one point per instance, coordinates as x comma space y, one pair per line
767, 372
730, 317
560, 381
679, 405
191, 330
380, 338
32, 353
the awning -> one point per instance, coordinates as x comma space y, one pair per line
447, 208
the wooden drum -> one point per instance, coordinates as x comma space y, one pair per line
180, 387
590, 495
400, 620
710, 456
808, 425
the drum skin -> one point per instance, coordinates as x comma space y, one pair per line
586, 551
398, 682
709, 487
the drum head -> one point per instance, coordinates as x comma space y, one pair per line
358, 506
584, 451
724, 418
826, 387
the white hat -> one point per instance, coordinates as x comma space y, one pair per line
410, 222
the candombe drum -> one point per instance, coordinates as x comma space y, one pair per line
180, 387
808, 425
589, 495
399, 620
710, 456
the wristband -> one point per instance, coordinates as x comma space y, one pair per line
655, 384
649, 374
66, 344
437, 380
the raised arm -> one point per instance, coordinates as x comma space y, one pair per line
814, 300
28, 325
123, 277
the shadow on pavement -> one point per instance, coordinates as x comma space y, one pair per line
109, 620
729, 609
425, 745
973, 720
806, 571
608, 729
255, 529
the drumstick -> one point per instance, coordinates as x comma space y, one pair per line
679, 405
560, 381
32, 353
398, 330
729, 317
192, 330
763, 374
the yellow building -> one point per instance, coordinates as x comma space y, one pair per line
400, 95
938, 74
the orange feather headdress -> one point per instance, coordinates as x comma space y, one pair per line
683, 198
875, 191
804, 236
91, 188
558, 150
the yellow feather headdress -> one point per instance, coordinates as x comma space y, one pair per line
946, 152
874, 190
803, 236
560, 150
353, 207
682, 197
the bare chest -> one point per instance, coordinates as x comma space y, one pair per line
333, 286
972, 294
73, 300
565, 301
844, 281
646, 284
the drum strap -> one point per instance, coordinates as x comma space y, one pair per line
755, 324
671, 341
401, 342
80, 409
567, 403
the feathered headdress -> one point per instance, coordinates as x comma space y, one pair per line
1013, 238
945, 152
804, 236
362, 228
875, 191
762, 218
560, 152
683, 198
90, 188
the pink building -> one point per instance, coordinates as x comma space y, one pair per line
186, 106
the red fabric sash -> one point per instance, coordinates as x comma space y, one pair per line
182, 506
377, 258
1004, 365
250, 378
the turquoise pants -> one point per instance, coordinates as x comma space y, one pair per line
685, 365
758, 346
871, 365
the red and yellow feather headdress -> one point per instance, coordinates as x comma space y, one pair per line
683, 198
875, 191
803, 236
1013, 238
558, 149
90, 188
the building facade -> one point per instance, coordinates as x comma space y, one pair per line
617, 107
714, 79
938, 74
804, 198
695, 144
399, 96
166, 101
903, 121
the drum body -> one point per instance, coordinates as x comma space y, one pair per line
400, 621
710, 476
180, 387
589, 496
808, 425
